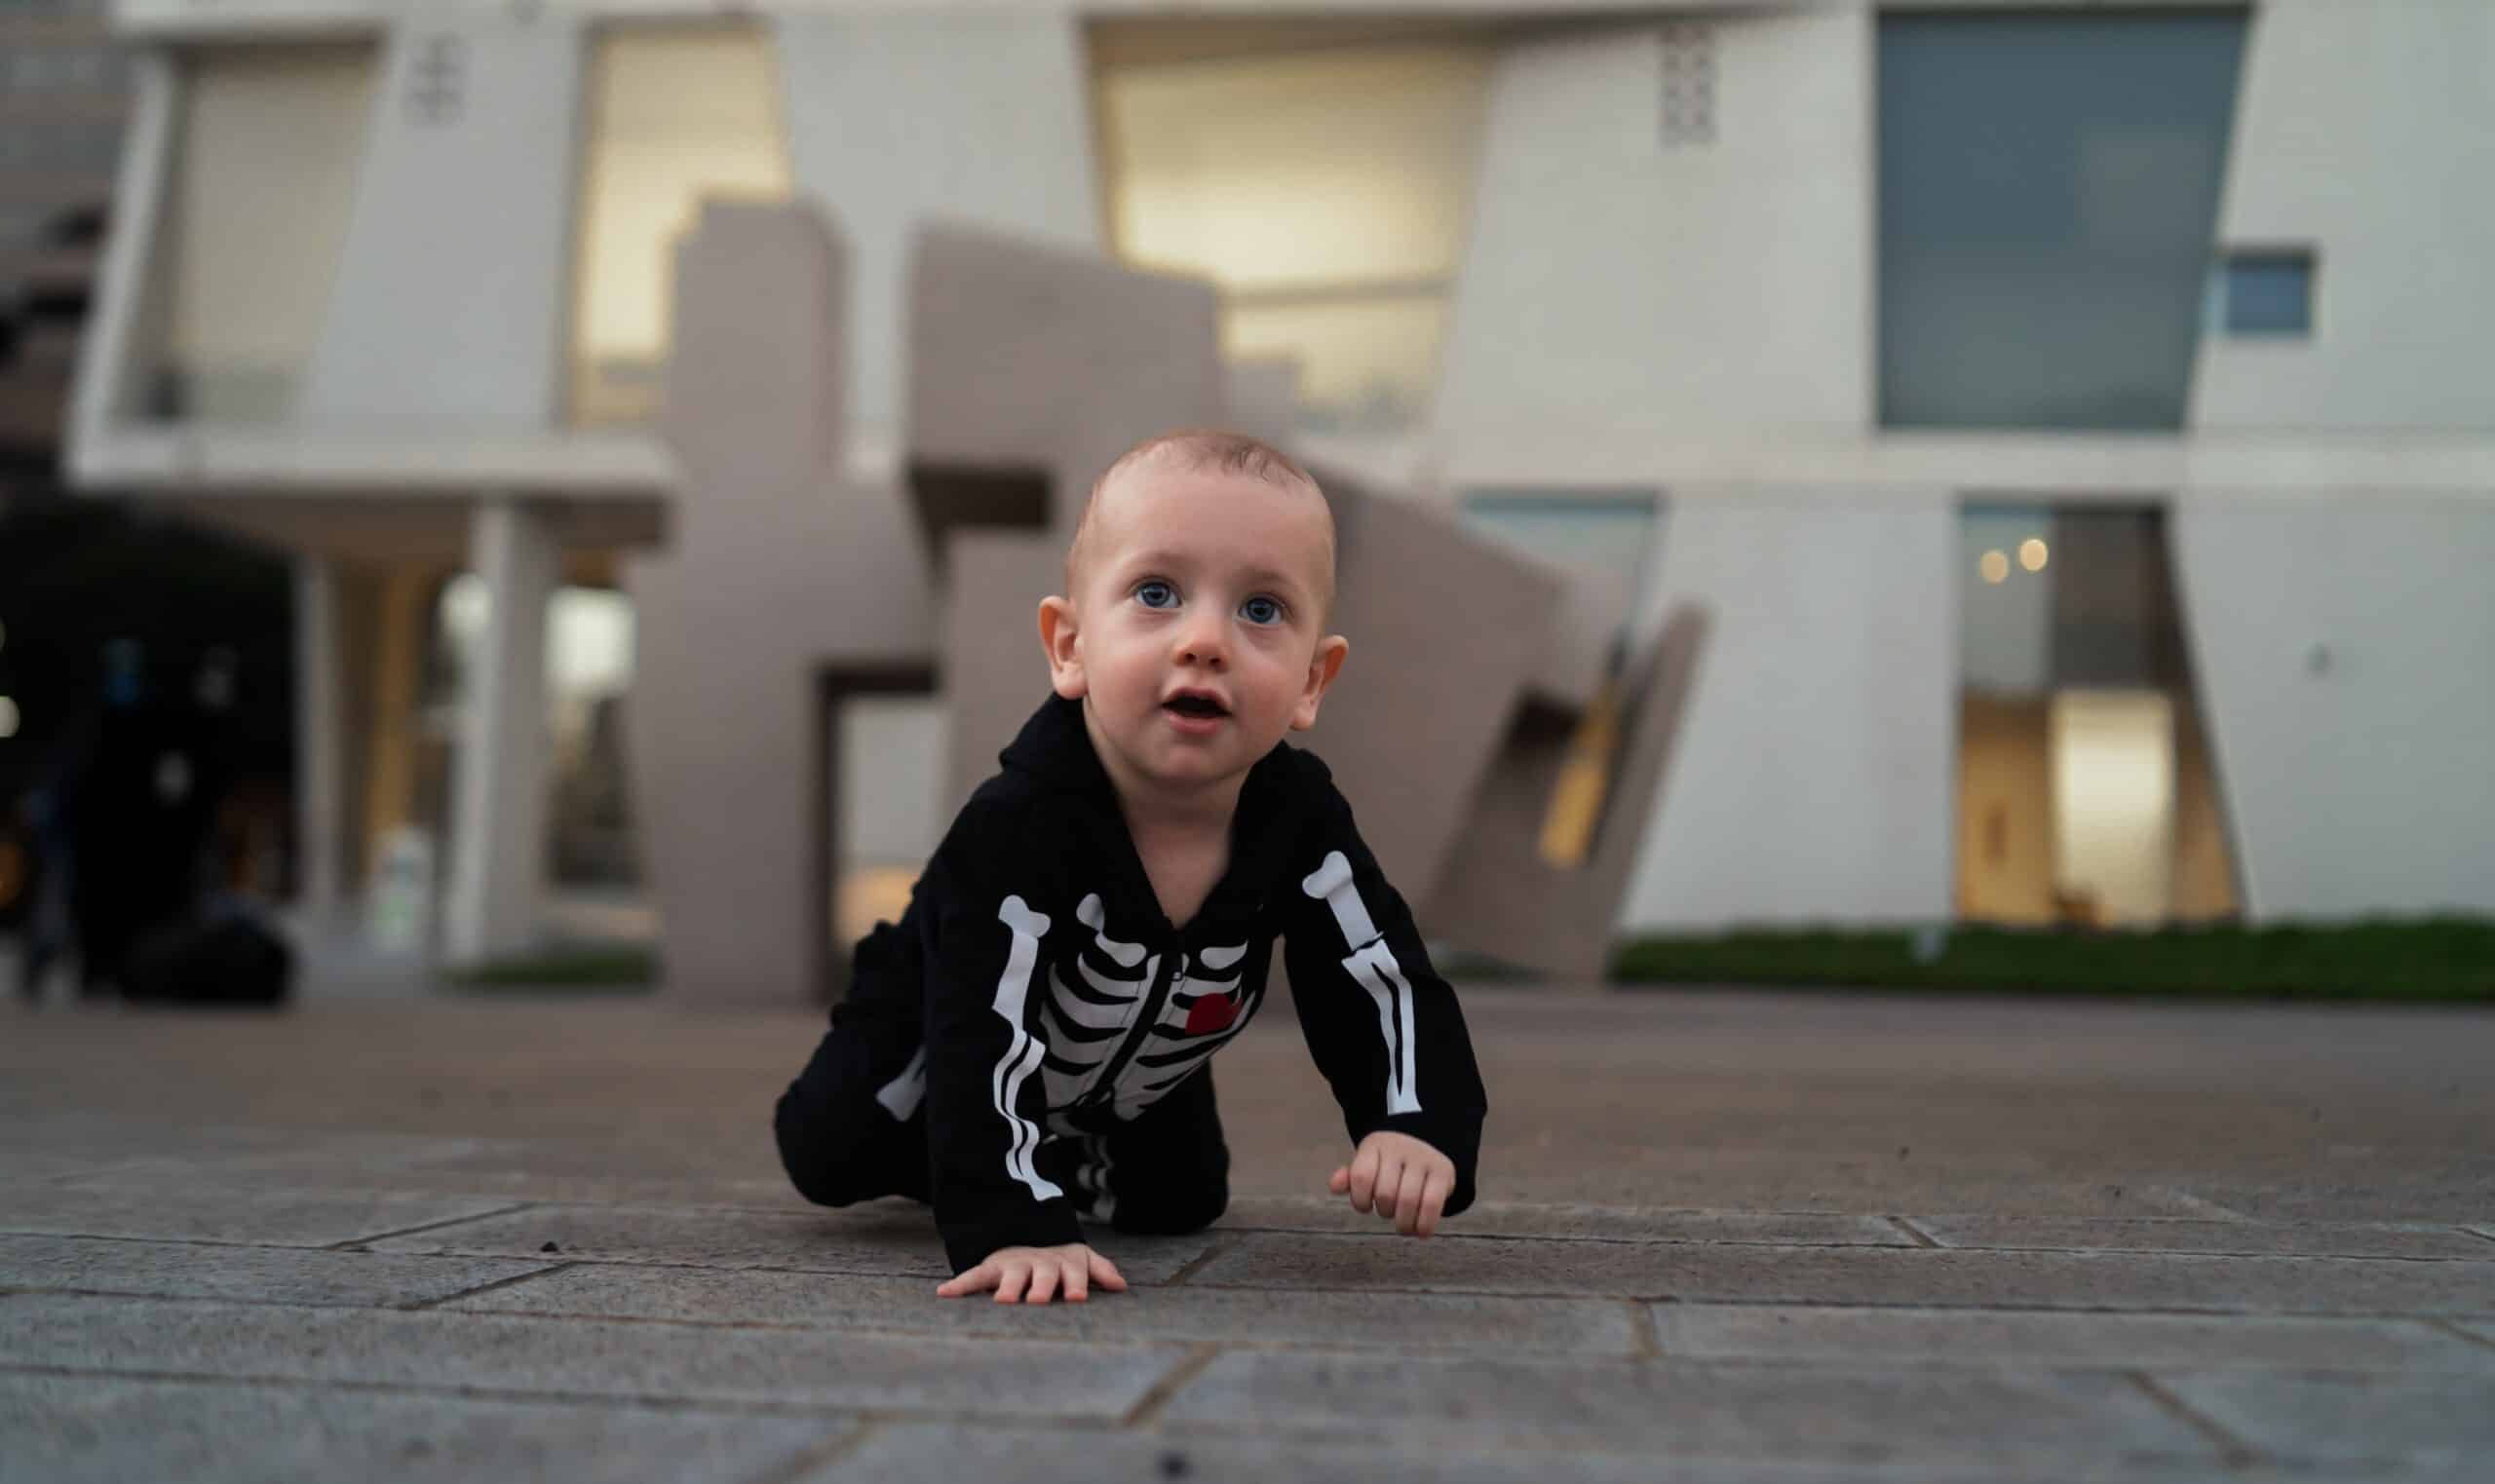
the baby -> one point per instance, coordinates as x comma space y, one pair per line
1029, 1045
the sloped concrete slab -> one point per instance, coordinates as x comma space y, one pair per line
197, 1209
89, 1429
2427, 1421
2006, 1337
1577, 1221
886, 1239
1397, 1320
262, 1275
1858, 1276
2237, 1237
579, 1357
1689, 1410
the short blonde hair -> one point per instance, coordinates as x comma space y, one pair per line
1202, 450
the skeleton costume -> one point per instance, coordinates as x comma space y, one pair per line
1028, 1045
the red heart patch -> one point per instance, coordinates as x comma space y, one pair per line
1210, 1014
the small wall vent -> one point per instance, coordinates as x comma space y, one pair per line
1689, 84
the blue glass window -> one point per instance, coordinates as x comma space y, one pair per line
2049, 191
2269, 292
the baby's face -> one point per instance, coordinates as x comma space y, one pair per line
1198, 612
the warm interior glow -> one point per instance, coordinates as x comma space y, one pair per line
2113, 771
2031, 553
1994, 565
676, 114
1327, 192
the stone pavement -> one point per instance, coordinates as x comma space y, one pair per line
1759, 1238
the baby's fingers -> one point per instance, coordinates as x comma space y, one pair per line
1013, 1276
1434, 1193
977, 1279
1044, 1280
1409, 1198
1105, 1274
1364, 1177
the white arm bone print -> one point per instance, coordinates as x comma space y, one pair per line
1372, 964
1022, 1054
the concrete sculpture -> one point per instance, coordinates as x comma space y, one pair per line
1031, 369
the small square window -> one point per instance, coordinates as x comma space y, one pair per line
2263, 292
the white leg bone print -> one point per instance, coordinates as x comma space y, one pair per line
1372, 964
901, 1096
1022, 1054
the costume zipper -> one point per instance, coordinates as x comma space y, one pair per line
1105, 1090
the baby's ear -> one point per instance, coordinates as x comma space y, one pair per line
1322, 666
1059, 626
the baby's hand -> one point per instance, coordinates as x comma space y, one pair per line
1401, 1178
1009, 1270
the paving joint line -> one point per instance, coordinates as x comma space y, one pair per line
1157, 1397
2458, 1331
2482, 1231
1921, 1238
427, 1226
807, 1461
2232, 1452
1197, 1263
419, 1306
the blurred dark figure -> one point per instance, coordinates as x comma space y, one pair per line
147, 891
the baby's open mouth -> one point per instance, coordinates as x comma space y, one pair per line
1201, 708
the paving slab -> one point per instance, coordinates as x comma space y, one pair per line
2249, 1239
886, 1239
89, 1429
1401, 1321
197, 1209
485, 1353
2429, 1420
2460, 1200
263, 1275
1912, 1276
2059, 1339
922, 1453
1692, 1409
1576, 1220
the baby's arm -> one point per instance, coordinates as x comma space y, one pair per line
1385, 1031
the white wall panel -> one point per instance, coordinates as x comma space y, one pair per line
2346, 651
897, 118
2361, 130
452, 286
1614, 283
1815, 772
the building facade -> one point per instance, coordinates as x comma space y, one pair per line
2077, 419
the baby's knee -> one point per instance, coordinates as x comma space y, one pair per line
830, 1161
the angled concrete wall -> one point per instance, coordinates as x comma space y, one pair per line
2343, 651
448, 308
1815, 776
2360, 133
778, 569
895, 118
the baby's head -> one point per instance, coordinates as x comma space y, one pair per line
1193, 621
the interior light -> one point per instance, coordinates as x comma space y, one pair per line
1994, 565
8, 717
2031, 553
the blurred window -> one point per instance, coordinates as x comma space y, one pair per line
2263, 292
675, 114
1325, 192
1602, 540
2049, 188
267, 148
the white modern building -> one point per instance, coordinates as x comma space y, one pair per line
2080, 420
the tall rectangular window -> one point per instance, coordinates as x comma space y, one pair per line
2049, 189
1325, 192
269, 141
675, 114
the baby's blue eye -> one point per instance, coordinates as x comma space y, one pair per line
1156, 595
1261, 610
